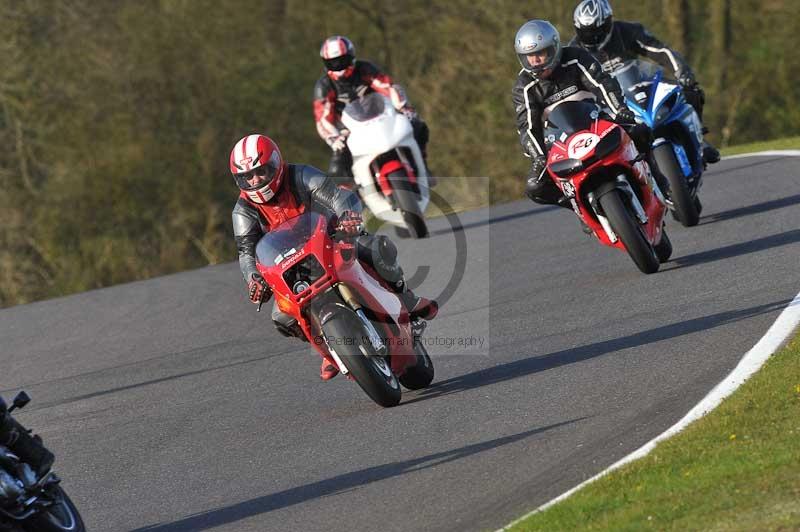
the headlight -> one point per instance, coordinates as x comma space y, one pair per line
566, 167
608, 144
666, 107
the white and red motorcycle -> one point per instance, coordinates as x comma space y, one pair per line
388, 168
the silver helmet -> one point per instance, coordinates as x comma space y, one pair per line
593, 21
539, 39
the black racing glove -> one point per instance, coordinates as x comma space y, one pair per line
538, 164
257, 289
687, 80
625, 116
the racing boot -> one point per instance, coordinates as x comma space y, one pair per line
28, 447
710, 153
328, 370
418, 307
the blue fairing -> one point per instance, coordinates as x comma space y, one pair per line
670, 115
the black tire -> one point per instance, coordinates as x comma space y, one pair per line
663, 248
629, 231
62, 516
345, 335
698, 205
685, 209
407, 203
421, 375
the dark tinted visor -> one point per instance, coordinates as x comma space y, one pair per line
339, 63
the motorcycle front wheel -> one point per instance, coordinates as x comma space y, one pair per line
627, 228
345, 335
408, 205
61, 516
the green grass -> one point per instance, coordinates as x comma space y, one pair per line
790, 143
738, 468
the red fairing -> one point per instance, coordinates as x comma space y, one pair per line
393, 166
581, 145
340, 264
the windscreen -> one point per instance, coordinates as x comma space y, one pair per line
635, 79
287, 239
366, 108
569, 117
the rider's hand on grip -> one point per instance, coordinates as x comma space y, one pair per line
687, 80
350, 223
338, 143
258, 289
409, 112
625, 116
538, 165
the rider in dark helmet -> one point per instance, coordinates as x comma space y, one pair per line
27, 447
550, 74
346, 79
614, 42
272, 192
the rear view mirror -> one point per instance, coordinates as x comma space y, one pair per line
21, 400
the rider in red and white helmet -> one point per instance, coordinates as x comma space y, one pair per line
257, 167
272, 192
346, 79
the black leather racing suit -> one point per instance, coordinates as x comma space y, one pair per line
332, 95
578, 72
629, 40
310, 187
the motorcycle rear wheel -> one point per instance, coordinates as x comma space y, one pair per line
345, 335
630, 232
421, 374
62, 516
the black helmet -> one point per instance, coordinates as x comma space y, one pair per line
593, 22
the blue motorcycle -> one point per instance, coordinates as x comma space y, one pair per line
678, 144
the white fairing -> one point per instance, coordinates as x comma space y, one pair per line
370, 138
692, 121
662, 91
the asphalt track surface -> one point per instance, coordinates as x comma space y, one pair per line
173, 406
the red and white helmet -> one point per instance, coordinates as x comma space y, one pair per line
257, 167
339, 56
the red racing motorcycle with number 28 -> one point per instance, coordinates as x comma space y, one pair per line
598, 168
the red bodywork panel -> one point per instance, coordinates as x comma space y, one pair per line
339, 260
581, 145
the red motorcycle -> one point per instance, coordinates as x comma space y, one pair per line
343, 307
598, 168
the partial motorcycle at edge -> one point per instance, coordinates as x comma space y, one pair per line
29, 500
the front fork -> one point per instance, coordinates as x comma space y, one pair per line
623, 185
372, 333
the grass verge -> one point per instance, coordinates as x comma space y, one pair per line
738, 468
789, 143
